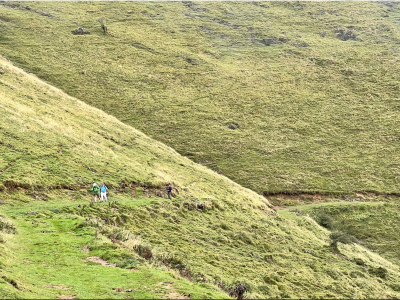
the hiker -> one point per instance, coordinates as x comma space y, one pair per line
169, 190
103, 194
96, 192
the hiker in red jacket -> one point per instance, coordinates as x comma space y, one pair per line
169, 190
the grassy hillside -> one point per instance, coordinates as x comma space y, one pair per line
376, 227
278, 96
214, 235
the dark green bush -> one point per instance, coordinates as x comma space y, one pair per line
359, 261
224, 226
128, 263
356, 274
272, 279
333, 274
144, 251
341, 237
244, 237
176, 262
325, 220
379, 272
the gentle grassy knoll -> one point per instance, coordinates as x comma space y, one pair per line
279, 96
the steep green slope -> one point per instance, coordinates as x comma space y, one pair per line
214, 233
278, 96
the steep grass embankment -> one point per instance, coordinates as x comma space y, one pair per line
279, 96
54, 146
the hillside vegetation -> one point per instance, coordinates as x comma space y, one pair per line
278, 96
376, 227
212, 236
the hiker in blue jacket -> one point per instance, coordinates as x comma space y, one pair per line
169, 190
103, 192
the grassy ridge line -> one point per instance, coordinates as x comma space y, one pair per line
51, 140
313, 112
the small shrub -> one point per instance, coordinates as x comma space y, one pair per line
144, 251
271, 279
224, 226
238, 290
325, 220
395, 287
264, 289
341, 237
11, 281
128, 263
357, 274
359, 261
244, 237
333, 274
379, 272
7, 227
298, 212
176, 262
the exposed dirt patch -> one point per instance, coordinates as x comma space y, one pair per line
315, 197
121, 290
98, 260
85, 249
360, 195
280, 208
175, 295
165, 284
66, 297
58, 287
